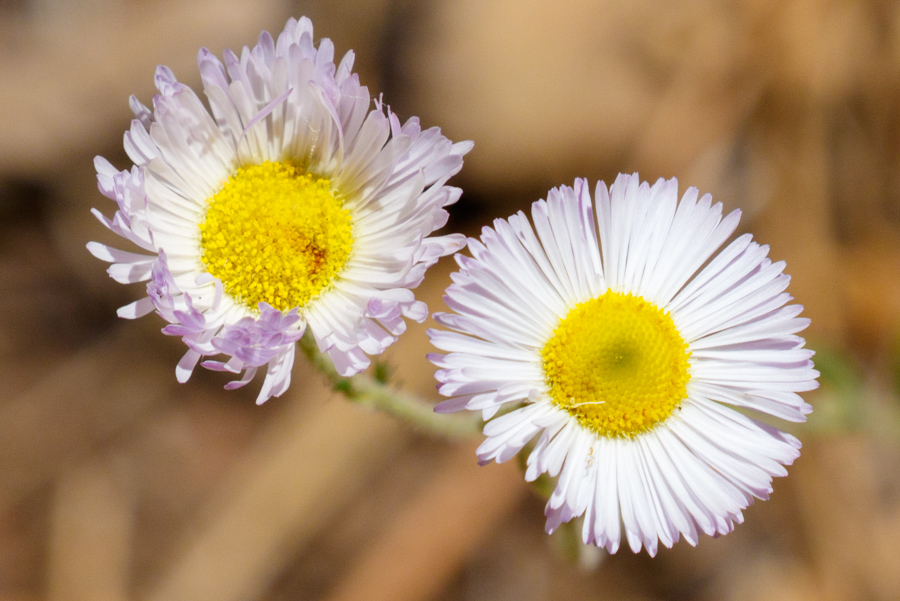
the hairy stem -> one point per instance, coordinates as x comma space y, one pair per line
370, 392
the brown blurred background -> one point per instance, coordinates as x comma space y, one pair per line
118, 484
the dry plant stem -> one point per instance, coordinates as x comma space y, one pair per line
367, 391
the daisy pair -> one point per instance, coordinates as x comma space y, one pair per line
618, 347
291, 204
610, 345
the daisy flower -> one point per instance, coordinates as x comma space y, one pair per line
290, 202
621, 345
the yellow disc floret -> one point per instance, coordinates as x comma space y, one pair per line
617, 364
275, 233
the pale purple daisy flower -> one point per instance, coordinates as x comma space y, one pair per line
290, 203
615, 346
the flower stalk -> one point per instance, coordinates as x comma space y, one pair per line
376, 393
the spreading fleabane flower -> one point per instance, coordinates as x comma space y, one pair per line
291, 203
617, 347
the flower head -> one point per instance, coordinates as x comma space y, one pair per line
289, 203
619, 344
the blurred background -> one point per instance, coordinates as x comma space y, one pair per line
118, 484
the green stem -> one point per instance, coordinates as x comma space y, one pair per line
369, 392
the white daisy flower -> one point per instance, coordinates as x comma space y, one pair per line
290, 203
619, 343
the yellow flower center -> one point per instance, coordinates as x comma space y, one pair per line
275, 233
617, 364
